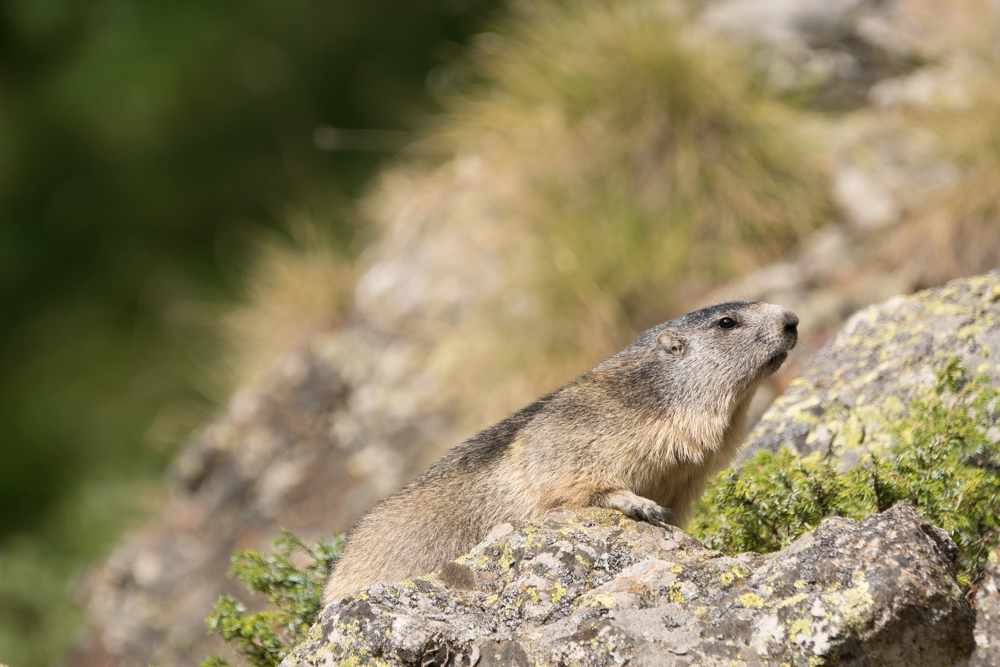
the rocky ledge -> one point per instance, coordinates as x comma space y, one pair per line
595, 588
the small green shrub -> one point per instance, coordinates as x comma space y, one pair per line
264, 638
942, 463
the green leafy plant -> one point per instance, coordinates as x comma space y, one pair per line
264, 638
942, 463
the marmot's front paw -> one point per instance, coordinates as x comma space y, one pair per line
654, 514
637, 508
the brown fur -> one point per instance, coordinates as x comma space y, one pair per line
640, 433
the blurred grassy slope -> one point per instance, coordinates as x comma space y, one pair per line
143, 147
621, 159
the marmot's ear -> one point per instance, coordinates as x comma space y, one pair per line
671, 342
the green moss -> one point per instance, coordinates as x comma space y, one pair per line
937, 458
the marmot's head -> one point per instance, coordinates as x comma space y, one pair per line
716, 356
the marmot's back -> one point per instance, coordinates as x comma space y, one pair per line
639, 433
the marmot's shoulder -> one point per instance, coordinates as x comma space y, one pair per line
490, 444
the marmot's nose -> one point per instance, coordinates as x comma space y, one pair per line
791, 322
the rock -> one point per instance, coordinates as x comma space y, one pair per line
868, 373
594, 588
840, 49
987, 633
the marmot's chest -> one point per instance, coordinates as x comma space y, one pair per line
682, 441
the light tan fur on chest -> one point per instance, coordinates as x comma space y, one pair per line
667, 461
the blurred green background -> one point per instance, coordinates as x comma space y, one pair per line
145, 148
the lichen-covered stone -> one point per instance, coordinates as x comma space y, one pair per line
866, 376
595, 588
987, 633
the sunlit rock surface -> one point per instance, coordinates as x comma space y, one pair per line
595, 588
868, 373
987, 634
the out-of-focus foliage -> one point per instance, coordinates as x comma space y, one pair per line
659, 153
145, 149
264, 638
140, 143
943, 464
38, 569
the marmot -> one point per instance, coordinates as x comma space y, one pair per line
640, 433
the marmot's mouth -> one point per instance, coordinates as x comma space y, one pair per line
777, 359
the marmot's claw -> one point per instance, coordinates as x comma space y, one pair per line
669, 516
656, 515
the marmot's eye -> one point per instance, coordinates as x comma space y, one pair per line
727, 323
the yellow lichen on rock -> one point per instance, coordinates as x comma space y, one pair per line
751, 599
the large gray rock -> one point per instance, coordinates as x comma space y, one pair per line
595, 588
868, 373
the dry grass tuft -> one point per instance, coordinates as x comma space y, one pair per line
624, 161
293, 289
957, 233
